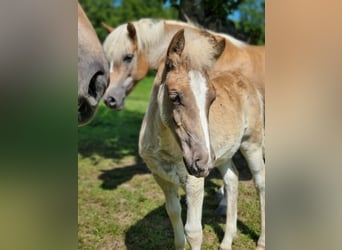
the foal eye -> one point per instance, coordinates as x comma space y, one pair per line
128, 58
174, 98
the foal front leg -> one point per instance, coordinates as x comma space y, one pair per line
173, 209
194, 198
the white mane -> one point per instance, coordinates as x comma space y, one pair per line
191, 24
233, 40
149, 31
152, 37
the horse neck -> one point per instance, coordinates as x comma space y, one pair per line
247, 59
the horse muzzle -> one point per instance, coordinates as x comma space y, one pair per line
112, 102
86, 109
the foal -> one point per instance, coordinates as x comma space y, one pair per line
196, 120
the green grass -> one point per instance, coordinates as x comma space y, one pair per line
119, 204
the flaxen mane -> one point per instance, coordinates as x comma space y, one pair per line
149, 31
192, 24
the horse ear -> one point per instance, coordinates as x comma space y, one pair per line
177, 44
218, 43
131, 31
219, 48
108, 28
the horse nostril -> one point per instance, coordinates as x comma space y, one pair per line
110, 101
97, 85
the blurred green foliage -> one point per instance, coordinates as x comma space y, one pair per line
128, 10
212, 14
252, 20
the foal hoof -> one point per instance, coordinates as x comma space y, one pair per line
220, 248
221, 210
259, 247
219, 193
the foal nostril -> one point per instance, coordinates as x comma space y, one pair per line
110, 102
197, 164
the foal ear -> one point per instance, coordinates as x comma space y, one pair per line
131, 31
219, 48
177, 44
108, 28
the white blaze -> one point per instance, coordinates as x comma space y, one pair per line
199, 87
111, 66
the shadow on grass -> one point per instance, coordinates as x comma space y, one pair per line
114, 135
154, 231
111, 134
114, 177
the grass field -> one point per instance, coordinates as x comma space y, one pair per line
119, 204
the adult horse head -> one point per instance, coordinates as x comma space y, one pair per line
128, 63
93, 72
186, 95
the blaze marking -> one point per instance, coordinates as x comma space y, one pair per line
199, 87
111, 66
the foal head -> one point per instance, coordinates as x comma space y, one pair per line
93, 73
186, 94
124, 48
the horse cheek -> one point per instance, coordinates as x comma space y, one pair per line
141, 68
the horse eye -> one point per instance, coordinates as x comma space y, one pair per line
128, 58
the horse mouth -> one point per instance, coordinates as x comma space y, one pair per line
112, 104
197, 170
200, 173
86, 110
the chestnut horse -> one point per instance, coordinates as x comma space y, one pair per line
134, 48
93, 70
197, 119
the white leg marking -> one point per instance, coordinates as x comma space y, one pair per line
194, 198
173, 209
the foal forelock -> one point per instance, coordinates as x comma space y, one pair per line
199, 88
198, 51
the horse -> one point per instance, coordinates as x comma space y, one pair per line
196, 120
134, 48
93, 69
